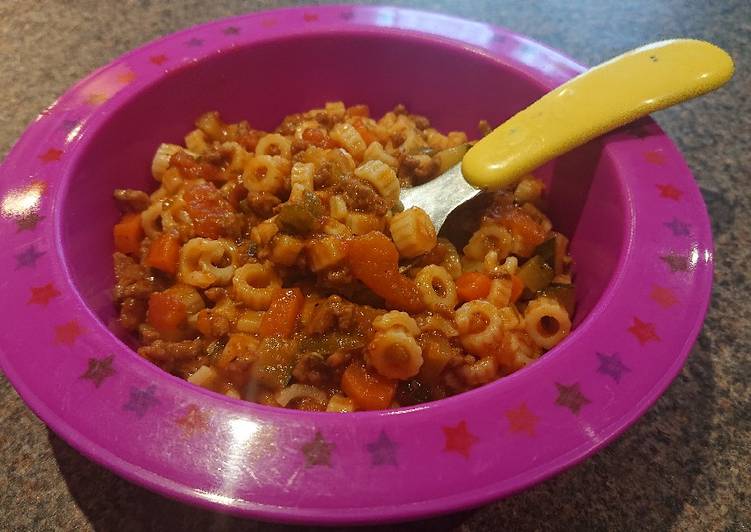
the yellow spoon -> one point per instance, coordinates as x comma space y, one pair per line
601, 99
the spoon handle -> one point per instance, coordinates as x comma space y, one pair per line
599, 100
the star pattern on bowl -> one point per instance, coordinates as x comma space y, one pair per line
611, 365
317, 452
654, 157
458, 439
663, 296
158, 59
668, 191
676, 263
68, 332
522, 419
141, 400
571, 397
193, 420
678, 227
382, 450
41, 295
28, 257
51, 155
644, 331
99, 369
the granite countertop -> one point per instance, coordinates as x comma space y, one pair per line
686, 465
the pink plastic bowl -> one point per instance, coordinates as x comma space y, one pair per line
640, 239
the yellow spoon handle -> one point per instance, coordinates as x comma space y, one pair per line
603, 98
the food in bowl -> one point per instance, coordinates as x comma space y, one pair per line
279, 267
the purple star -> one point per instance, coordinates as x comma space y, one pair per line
141, 400
28, 221
195, 42
231, 30
611, 366
382, 451
677, 263
28, 258
317, 451
347, 15
99, 369
678, 227
68, 124
571, 397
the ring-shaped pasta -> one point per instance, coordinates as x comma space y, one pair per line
265, 173
479, 325
201, 259
396, 319
274, 144
437, 288
255, 285
151, 219
489, 237
546, 322
394, 354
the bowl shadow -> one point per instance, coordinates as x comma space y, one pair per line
641, 481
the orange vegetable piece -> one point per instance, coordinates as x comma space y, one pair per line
164, 253
369, 391
166, 312
367, 135
374, 260
281, 317
210, 212
517, 287
472, 285
128, 233
318, 137
522, 224
358, 110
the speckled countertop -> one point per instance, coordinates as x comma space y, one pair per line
686, 465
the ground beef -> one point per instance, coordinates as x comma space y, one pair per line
163, 351
312, 369
130, 200
131, 279
360, 196
132, 313
263, 203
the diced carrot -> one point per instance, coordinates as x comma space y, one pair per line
128, 233
369, 391
367, 135
318, 137
472, 285
517, 287
281, 317
523, 225
358, 110
210, 212
164, 253
166, 312
374, 260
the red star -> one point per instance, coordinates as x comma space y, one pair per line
41, 295
663, 296
96, 98
310, 17
126, 77
644, 331
51, 155
459, 439
670, 192
268, 23
193, 421
158, 59
67, 333
522, 419
654, 157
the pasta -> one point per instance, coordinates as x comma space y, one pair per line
280, 267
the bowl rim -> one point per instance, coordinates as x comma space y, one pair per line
696, 282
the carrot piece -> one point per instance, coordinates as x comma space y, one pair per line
374, 260
164, 253
367, 135
517, 287
128, 233
358, 110
318, 137
281, 317
472, 285
369, 391
524, 226
166, 312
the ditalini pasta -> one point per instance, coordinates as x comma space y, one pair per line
280, 267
